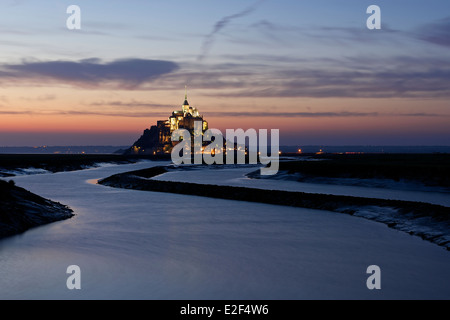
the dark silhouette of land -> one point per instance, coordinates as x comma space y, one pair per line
65, 162
426, 169
21, 210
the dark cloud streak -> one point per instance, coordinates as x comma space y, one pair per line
126, 73
141, 114
130, 104
355, 77
222, 23
343, 114
436, 33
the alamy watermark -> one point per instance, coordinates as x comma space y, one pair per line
73, 22
374, 280
74, 280
374, 21
223, 148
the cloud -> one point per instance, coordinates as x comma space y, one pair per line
47, 97
156, 38
293, 114
342, 114
130, 104
436, 33
354, 77
11, 112
258, 114
126, 73
265, 32
222, 23
124, 113
248, 76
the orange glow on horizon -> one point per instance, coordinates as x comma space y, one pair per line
53, 123
69, 110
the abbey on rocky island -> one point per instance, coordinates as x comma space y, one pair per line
157, 139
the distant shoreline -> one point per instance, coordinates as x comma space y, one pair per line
286, 149
12, 164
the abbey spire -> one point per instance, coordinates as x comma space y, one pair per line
186, 103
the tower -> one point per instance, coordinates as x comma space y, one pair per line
185, 106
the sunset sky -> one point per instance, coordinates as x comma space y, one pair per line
310, 68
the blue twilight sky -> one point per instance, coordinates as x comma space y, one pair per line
114, 28
310, 68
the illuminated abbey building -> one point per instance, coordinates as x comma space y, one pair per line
157, 139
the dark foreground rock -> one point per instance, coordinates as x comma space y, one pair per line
21, 210
430, 222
